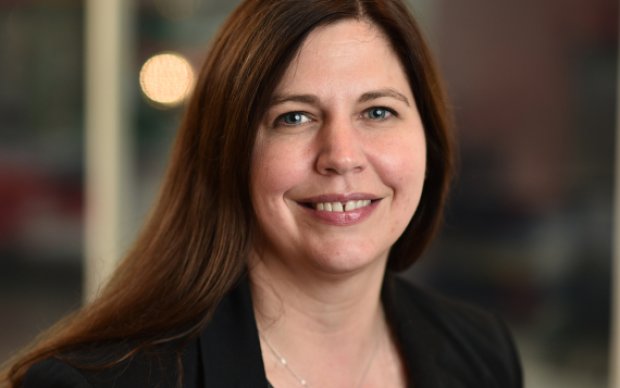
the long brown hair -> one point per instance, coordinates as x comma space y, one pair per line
195, 245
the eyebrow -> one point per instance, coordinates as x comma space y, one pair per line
373, 95
303, 98
312, 99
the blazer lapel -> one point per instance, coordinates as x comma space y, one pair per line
419, 342
231, 355
229, 345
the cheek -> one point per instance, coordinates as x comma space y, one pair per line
274, 171
408, 182
403, 165
408, 188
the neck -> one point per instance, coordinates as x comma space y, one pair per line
321, 303
315, 321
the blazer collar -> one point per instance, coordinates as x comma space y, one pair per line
230, 346
417, 338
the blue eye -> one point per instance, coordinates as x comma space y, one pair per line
292, 118
379, 113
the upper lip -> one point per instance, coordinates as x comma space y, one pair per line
339, 198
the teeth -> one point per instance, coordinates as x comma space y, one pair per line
341, 206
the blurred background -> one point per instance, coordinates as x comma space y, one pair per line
529, 225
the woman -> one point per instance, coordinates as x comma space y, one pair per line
313, 162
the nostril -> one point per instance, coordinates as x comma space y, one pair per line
327, 164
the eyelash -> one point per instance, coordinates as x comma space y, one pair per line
388, 111
280, 120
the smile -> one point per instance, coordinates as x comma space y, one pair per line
341, 209
341, 206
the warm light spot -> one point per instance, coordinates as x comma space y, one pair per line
167, 79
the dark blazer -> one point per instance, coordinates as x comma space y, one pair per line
444, 345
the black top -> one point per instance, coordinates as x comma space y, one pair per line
444, 345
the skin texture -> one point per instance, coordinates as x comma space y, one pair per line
329, 137
343, 125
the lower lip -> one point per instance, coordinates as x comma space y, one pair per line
344, 218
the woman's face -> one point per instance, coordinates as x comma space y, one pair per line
340, 156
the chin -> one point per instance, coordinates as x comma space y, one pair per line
344, 263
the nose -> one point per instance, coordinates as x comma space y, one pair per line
340, 149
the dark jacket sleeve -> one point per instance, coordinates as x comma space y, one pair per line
478, 347
52, 373
514, 371
448, 343
169, 367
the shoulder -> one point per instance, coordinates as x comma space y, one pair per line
53, 373
90, 368
472, 343
446, 314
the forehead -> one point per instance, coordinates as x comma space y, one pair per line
344, 53
344, 35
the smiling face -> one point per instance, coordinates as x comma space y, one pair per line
340, 156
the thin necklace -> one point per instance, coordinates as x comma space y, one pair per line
303, 382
